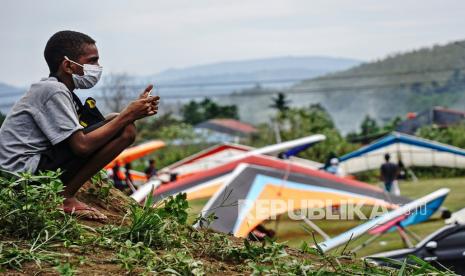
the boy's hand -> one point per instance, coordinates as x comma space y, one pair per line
143, 107
146, 94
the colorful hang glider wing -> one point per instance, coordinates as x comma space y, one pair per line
413, 151
294, 151
206, 183
136, 152
276, 149
136, 176
255, 193
457, 217
225, 150
416, 211
206, 159
221, 154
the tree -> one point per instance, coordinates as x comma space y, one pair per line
192, 113
150, 127
369, 126
369, 130
196, 112
116, 91
453, 135
301, 122
2, 118
392, 124
280, 102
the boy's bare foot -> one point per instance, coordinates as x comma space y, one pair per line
73, 206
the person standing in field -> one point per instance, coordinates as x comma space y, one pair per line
389, 173
151, 170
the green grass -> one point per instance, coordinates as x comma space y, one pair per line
293, 233
145, 240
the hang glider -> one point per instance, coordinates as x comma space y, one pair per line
205, 183
206, 159
411, 150
224, 153
201, 175
136, 152
138, 177
411, 213
457, 217
237, 203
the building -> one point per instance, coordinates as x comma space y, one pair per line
440, 116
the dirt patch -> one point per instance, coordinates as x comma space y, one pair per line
114, 205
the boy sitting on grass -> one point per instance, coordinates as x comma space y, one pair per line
43, 129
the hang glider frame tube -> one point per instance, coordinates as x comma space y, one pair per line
363, 228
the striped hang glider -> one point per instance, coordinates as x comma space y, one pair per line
203, 173
409, 214
221, 154
412, 151
205, 183
237, 203
206, 159
457, 217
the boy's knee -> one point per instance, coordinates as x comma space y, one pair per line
129, 133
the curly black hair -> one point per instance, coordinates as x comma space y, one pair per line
65, 43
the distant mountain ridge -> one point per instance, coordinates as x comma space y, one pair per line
225, 78
258, 69
231, 76
8, 95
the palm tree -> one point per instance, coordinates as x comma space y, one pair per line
280, 102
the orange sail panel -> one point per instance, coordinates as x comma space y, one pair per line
255, 193
136, 152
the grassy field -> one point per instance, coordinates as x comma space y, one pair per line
293, 232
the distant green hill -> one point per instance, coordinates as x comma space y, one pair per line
438, 57
404, 82
400, 83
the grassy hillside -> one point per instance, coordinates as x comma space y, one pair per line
37, 238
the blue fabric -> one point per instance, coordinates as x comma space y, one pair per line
388, 186
332, 169
296, 150
405, 139
421, 214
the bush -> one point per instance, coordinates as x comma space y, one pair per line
30, 205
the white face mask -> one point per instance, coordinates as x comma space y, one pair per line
92, 74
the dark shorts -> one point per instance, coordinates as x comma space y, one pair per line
388, 185
61, 156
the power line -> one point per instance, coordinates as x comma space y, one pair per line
237, 83
11, 94
5, 105
297, 90
301, 90
227, 83
322, 78
377, 75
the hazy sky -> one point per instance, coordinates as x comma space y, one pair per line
145, 37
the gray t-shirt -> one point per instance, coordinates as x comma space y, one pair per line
43, 117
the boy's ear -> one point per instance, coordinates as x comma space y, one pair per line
66, 66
